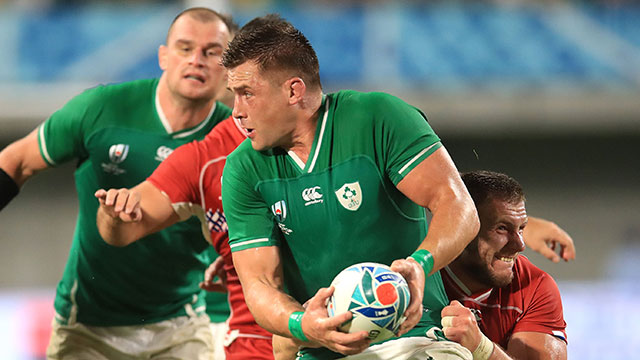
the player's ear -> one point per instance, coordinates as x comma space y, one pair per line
162, 57
296, 88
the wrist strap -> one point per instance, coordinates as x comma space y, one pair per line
484, 349
8, 188
295, 325
425, 259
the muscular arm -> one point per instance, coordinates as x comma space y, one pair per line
22, 159
435, 184
536, 346
126, 215
260, 272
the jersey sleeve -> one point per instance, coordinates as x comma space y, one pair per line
544, 314
177, 177
250, 223
61, 137
407, 137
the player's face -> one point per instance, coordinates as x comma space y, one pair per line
191, 58
261, 105
490, 258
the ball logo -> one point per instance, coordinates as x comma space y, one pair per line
377, 297
118, 152
386, 294
279, 209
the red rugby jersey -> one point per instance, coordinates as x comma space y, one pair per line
530, 303
191, 177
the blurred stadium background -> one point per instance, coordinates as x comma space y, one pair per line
546, 91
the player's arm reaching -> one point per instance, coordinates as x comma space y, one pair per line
18, 162
260, 272
545, 237
436, 185
126, 215
459, 325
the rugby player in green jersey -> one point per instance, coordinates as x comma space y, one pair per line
143, 300
326, 181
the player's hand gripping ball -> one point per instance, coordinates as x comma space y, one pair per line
376, 296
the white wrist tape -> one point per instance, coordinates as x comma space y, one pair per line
484, 349
446, 322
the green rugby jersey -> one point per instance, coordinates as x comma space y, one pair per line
342, 207
118, 135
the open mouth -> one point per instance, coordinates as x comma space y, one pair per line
195, 77
507, 259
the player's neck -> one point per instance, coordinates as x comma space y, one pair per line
305, 131
471, 284
182, 113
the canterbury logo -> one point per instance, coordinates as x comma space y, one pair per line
311, 195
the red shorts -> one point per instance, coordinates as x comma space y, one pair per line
244, 348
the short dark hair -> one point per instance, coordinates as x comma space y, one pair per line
274, 44
204, 14
483, 185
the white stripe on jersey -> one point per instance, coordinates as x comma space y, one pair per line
201, 180
559, 334
249, 242
167, 126
319, 144
43, 146
196, 129
296, 159
416, 158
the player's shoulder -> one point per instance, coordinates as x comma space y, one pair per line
367, 99
528, 272
365, 106
142, 85
122, 93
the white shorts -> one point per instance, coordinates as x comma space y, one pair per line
185, 337
218, 333
415, 348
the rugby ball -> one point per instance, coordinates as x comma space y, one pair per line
376, 296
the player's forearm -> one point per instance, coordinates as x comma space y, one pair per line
261, 276
498, 354
453, 225
271, 307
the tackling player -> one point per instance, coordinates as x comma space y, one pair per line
185, 184
496, 291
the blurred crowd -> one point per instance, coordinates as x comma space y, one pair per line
244, 4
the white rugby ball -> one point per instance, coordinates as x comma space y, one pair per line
376, 296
